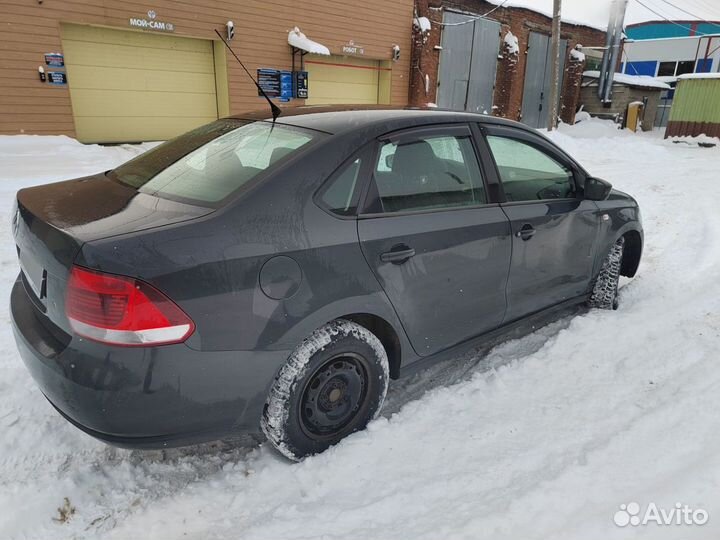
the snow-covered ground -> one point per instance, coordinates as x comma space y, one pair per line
543, 438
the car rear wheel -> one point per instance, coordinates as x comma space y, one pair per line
332, 385
605, 291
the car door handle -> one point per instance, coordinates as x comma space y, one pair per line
398, 254
527, 232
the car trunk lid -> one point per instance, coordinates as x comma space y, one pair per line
52, 223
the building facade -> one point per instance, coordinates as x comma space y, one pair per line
105, 71
696, 107
668, 58
626, 91
671, 29
499, 64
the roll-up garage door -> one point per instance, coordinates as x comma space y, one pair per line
128, 86
343, 79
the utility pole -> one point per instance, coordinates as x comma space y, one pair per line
555, 77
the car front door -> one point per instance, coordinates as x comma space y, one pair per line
439, 248
554, 229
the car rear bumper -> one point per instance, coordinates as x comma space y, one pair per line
143, 397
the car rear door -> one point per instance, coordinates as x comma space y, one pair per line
438, 246
554, 228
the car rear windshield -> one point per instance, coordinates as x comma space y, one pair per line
212, 162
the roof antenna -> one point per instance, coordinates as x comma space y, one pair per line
276, 111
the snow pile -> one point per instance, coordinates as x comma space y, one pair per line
696, 141
300, 41
643, 81
543, 437
582, 116
577, 55
47, 158
422, 24
511, 43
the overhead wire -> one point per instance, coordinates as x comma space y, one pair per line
493, 10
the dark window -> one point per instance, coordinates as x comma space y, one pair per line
529, 174
208, 164
429, 173
685, 67
667, 69
340, 194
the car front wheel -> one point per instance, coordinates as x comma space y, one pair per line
332, 385
605, 290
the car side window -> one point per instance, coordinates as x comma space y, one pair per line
339, 195
430, 172
529, 174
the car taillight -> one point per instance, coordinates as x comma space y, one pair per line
122, 310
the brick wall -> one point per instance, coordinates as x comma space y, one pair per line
511, 68
622, 97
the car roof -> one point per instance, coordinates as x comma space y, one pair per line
334, 119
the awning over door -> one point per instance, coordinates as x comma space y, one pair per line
300, 41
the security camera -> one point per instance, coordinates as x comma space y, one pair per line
396, 53
230, 30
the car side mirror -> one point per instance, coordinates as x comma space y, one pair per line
597, 189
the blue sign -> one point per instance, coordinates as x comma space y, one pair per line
54, 59
286, 85
57, 77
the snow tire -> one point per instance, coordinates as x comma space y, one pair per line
605, 289
340, 356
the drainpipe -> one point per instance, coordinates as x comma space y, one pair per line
613, 43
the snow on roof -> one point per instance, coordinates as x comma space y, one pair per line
300, 41
699, 76
632, 80
596, 13
593, 14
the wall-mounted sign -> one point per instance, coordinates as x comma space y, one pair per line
269, 81
286, 85
301, 84
276, 83
57, 77
351, 48
151, 23
54, 59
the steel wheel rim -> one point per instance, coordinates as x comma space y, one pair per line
334, 395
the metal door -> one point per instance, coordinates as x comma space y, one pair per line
538, 83
468, 63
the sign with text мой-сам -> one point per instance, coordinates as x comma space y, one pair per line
151, 23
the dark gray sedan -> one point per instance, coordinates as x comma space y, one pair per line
255, 275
